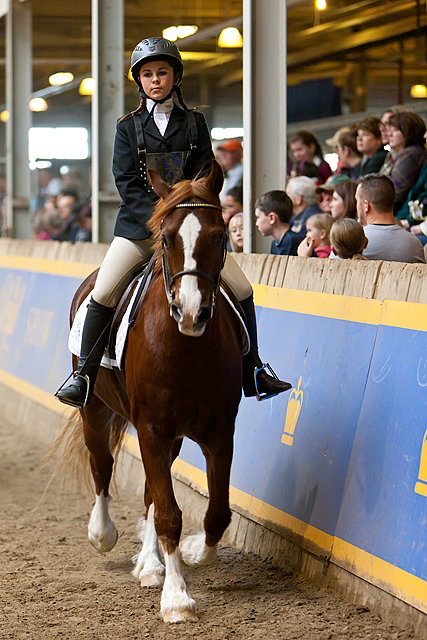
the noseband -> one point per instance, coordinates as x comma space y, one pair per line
169, 279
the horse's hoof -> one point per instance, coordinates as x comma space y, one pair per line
151, 580
194, 551
106, 542
180, 616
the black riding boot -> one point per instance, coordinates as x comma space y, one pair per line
94, 339
256, 381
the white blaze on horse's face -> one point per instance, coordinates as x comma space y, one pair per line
190, 297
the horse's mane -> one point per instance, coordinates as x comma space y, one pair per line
183, 191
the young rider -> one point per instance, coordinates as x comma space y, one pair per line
174, 141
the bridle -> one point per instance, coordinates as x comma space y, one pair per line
169, 279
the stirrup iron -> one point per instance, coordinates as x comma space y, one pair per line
69, 402
265, 367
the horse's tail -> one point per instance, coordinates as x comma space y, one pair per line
72, 455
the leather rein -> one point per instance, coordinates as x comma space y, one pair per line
169, 279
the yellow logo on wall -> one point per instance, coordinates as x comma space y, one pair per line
292, 414
421, 485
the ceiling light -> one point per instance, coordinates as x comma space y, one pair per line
321, 5
87, 86
61, 78
418, 91
230, 37
4, 115
38, 104
181, 31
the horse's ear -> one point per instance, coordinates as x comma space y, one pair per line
160, 187
215, 179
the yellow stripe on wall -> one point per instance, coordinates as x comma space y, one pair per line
400, 583
33, 393
42, 265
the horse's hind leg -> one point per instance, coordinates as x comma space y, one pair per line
149, 569
200, 549
97, 418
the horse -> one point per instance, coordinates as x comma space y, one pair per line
182, 377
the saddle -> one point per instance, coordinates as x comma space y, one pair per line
127, 311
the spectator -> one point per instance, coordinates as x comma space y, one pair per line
316, 242
369, 143
235, 227
344, 200
326, 191
309, 157
233, 203
83, 218
348, 239
333, 143
302, 192
348, 153
230, 158
375, 196
413, 213
273, 212
406, 139
66, 203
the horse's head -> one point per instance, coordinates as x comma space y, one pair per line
189, 225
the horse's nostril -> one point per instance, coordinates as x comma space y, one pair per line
204, 315
176, 312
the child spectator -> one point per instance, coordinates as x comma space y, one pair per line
316, 242
348, 239
348, 153
273, 212
309, 157
235, 228
233, 203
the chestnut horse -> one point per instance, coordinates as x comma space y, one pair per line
182, 377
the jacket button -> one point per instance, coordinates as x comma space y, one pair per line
162, 145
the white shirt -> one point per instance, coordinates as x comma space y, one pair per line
162, 113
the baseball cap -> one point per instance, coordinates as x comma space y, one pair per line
230, 145
333, 142
331, 183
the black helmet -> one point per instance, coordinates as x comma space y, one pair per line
159, 49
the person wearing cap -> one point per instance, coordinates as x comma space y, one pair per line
230, 158
327, 189
174, 141
333, 143
348, 152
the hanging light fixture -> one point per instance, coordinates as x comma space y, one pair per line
418, 91
61, 78
87, 86
181, 31
230, 38
4, 115
321, 5
38, 104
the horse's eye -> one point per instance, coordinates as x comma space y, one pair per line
219, 239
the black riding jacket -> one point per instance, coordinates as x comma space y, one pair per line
138, 201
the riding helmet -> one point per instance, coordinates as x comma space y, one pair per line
156, 49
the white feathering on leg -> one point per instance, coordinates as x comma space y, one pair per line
148, 568
102, 531
195, 552
176, 604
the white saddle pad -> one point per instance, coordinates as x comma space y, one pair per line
75, 337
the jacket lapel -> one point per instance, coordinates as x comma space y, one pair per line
176, 122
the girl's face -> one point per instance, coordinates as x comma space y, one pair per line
302, 151
315, 234
236, 231
396, 139
231, 207
337, 206
157, 79
366, 142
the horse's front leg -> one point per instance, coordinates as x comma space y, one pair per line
96, 416
176, 604
200, 549
149, 569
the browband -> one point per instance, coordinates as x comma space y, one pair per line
198, 204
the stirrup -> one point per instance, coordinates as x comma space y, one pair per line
265, 396
70, 402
